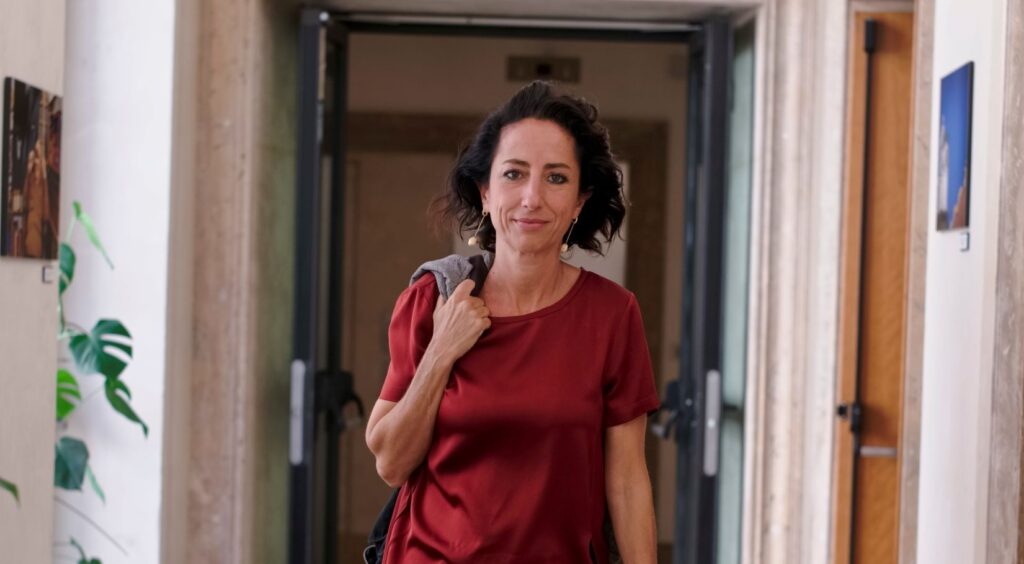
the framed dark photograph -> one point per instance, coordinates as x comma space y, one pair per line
30, 185
954, 174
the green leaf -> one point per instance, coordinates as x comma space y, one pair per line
67, 266
10, 488
95, 484
90, 230
67, 388
81, 551
92, 351
69, 468
113, 388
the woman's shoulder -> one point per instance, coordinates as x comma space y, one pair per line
423, 284
607, 292
420, 292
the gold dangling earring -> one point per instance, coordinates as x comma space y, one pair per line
473, 240
565, 244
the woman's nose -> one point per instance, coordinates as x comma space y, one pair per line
532, 193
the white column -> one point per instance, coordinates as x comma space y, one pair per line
117, 155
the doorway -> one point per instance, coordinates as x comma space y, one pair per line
380, 154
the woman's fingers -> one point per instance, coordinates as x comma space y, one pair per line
459, 295
461, 319
464, 288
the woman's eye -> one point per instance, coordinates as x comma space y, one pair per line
558, 178
511, 174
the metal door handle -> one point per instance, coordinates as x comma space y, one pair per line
296, 412
712, 415
877, 452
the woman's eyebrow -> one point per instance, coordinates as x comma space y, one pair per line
524, 163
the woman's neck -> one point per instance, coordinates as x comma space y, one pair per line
520, 283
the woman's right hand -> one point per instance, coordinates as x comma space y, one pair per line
458, 322
399, 433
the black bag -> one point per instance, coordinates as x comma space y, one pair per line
374, 551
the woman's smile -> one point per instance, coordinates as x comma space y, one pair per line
530, 225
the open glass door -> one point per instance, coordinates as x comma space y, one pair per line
708, 396
320, 388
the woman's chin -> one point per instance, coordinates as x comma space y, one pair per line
527, 247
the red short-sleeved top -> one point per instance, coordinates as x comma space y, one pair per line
515, 469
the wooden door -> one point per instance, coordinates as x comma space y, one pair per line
873, 286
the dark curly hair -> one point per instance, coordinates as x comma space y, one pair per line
459, 206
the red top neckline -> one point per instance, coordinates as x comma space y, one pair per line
562, 302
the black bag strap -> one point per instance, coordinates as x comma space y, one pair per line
478, 274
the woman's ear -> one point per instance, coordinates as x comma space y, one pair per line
484, 189
584, 196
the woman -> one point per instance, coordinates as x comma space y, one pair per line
515, 419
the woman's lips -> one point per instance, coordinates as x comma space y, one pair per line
530, 224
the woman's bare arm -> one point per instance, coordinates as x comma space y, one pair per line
399, 433
628, 491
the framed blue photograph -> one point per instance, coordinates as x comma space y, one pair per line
954, 175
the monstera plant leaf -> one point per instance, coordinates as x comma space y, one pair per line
92, 350
67, 274
67, 388
114, 388
71, 463
90, 231
10, 488
72, 467
67, 266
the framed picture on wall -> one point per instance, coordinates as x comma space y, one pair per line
30, 182
954, 175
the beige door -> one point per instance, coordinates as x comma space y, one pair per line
386, 238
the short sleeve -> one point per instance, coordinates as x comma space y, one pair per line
412, 324
629, 389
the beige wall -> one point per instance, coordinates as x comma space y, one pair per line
466, 75
960, 301
31, 50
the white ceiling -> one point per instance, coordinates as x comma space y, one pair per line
623, 10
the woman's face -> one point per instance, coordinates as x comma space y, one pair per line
533, 192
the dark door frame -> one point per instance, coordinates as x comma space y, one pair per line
701, 347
